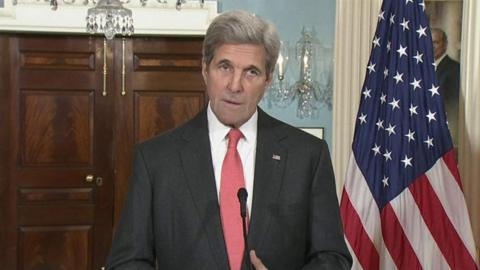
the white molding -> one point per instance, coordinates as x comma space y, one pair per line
154, 19
469, 125
6, 10
356, 22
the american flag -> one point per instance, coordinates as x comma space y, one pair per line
402, 203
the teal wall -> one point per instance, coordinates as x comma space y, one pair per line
290, 17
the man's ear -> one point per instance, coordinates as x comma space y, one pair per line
269, 79
204, 71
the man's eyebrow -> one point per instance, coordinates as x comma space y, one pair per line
224, 61
254, 67
250, 67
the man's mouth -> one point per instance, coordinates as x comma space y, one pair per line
231, 102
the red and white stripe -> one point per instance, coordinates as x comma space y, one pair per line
425, 227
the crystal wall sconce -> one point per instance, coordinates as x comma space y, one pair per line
313, 87
111, 18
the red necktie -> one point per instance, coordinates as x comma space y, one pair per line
232, 179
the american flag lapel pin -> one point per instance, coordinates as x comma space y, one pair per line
276, 157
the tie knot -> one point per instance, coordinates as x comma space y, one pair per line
234, 136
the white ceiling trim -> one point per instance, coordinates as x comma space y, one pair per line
150, 20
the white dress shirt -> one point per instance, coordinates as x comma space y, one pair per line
437, 62
246, 147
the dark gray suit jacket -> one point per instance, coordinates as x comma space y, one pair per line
448, 75
171, 215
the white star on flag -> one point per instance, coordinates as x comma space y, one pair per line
431, 116
366, 93
390, 129
385, 181
371, 67
418, 57
380, 16
404, 24
410, 135
407, 161
388, 155
416, 83
383, 98
398, 77
413, 110
379, 124
434, 90
376, 42
402, 51
376, 149
429, 142
363, 118
421, 31
394, 104
422, 4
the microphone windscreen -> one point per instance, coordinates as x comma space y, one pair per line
242, 194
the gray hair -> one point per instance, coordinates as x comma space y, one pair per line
240, 27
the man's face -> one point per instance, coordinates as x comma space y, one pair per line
236, 79
439, 45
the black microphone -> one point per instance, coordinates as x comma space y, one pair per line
242, 195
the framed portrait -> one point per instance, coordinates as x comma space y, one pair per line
317, 132
445, 18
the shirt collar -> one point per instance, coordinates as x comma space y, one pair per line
437, 62
218, 131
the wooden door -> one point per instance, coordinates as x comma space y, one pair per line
67, 132
58, 182
163, 89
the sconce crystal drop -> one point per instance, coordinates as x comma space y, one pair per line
111, 18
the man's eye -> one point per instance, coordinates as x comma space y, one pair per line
253, 72
224, 67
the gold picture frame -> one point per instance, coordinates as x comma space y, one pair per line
315, 131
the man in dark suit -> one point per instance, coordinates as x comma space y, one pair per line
448, 76
175, 215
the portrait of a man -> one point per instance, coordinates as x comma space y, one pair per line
445, 19
448, 76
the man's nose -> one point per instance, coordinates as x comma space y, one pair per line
235, 84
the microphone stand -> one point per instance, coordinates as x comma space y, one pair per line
242, 198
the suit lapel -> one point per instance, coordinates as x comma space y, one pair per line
197, 165
269, 166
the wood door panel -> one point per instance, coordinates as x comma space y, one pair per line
167, 62
55, 214
169, 80
57, 128
168, 45
57, 43
59, 196
157, 112
52, 177
57, 60
55, 247
58, 79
